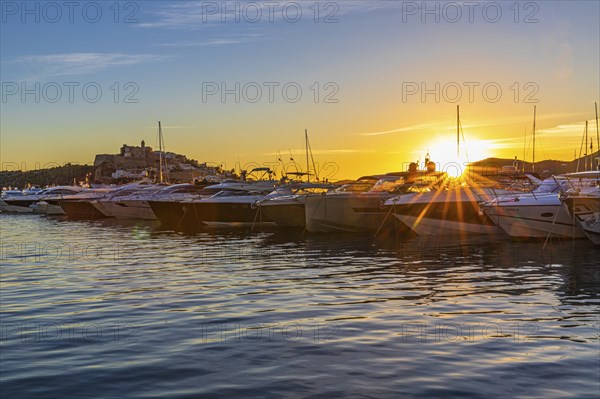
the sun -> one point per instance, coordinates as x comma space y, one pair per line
453, 160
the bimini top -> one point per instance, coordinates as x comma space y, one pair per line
592, 174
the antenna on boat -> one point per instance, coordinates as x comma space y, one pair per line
282, 164
533, 162
293, 160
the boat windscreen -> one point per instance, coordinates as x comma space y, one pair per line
310, 190
357, 187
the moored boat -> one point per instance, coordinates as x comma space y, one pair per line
584, 208
537, 214
358, 207
26, 202
446, 211
79, 206
288, 211
128, 202
226, 208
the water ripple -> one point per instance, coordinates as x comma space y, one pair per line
129, 310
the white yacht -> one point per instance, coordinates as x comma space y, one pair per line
10, 192
129, 202
539, 213
288, 210
584, 207
78, 206
23, 203
48, 204
226, 208
167, 203
175, 211
450, 210
358, 206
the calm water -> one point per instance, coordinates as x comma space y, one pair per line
127, 310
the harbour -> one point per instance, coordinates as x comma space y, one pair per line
300, 199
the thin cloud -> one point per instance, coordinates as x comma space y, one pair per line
574, 128
207, 43
528, 119
444, 125
552, 138
402, 129
213, 42
198, 15
179, 15
68, 64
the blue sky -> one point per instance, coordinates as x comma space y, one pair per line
175, 48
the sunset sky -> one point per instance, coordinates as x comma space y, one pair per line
364, 62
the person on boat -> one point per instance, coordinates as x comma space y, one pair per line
412, 172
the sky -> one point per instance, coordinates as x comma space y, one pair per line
375, 83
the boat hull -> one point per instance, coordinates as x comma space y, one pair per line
435, 227
126, 209
169, 213
46, 208
449, 213
81, 210
586, 212
534, 221
345, 214
286, 215
16, 206
197, 214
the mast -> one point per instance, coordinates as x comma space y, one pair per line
313, 160
165, 166
597, 136
457, 133
591, 153
524, 150
580, 150
160, 160
586, 146
306, 145
533, 163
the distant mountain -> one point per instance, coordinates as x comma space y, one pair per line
61, 175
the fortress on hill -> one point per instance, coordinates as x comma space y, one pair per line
137, 162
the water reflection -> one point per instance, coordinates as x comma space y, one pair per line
134, 310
